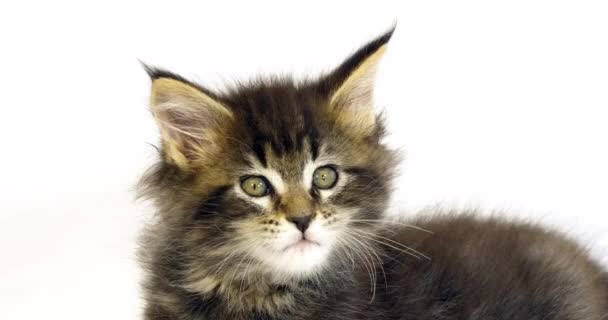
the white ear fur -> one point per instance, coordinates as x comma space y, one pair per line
353, 102
189, 119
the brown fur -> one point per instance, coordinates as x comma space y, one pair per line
200, 252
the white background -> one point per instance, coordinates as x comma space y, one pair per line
497, 106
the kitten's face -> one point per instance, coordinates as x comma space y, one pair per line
290, 209
271, 177
292, 212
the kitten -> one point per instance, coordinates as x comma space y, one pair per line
270, 200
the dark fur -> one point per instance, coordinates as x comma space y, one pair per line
477, 268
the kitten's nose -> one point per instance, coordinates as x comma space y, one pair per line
302, 222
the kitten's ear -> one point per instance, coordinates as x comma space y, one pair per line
190, 118
350, 87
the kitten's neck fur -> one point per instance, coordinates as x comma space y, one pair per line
246, 290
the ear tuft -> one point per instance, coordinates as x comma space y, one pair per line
350, 87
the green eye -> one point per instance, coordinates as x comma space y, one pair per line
255, 186
325, 177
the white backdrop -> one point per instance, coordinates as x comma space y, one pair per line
497, 106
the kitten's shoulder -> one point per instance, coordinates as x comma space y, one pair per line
469, 235
463, 231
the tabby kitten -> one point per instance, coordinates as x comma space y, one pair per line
270, 200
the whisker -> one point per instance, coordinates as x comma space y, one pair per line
393, 222
368, 262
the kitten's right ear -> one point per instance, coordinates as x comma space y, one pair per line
190, 118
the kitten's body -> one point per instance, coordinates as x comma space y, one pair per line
300, 248
478, 269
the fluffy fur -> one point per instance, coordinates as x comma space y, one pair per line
216, 252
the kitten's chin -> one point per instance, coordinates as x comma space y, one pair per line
300, 259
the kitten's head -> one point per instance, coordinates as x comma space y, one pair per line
272, 176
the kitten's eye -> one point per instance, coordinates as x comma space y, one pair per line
255, 186
325, 177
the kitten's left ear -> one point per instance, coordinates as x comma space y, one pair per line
350, 87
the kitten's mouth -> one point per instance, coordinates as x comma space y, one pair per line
302, 245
